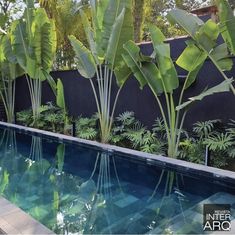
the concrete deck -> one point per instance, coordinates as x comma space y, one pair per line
15, 221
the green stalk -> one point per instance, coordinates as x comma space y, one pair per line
179, 134
178, 116
173, 129
96, 97
113, 109
3, 96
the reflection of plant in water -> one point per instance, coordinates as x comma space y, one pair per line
8, 142
171, 203
60, 152
8, 147
4, 180
80, 212
36, 153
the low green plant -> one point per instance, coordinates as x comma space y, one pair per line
204, 129
217, 137
109, 27
192, 150
219, 141
86, 128
158, 71
127, 132
51, 118
24, 117
140, 138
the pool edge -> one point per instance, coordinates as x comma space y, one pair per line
13, 220
149, 158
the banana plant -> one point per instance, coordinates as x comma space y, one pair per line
110, 27
33, 39
226, 23
159, 73
10, 70
205, 35
60, 101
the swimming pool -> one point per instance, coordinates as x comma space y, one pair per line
75, 188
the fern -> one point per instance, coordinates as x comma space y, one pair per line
44, 108
86, 128
203, 129
148, 138
159, 127
135, 134
127, 118
231, 151
231, 129
89, 133
115, 139
192, 150
135, 137
156, 147
219, 141
25, 117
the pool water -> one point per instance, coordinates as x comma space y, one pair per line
73, 189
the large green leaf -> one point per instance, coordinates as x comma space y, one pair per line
222, 87
110, 15
227, 23
31, 68
145, 72
153, 77
7, 49
44, 39
221, 56
34, 42
8, 57
85, 61
90, 37
191, 57
192, 75
101, 7
2, 56
132, 59
113, 10
205, 36
189, 22
114, 39
203, 33
127, 30
19, 42
191, 60
122, 73
156, 35
165, 64
60, 101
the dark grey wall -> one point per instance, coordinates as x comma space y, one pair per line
80, 99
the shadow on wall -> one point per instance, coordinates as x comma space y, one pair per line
80, 99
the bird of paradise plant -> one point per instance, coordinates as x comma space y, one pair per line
110, 27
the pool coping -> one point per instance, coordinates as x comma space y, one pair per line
13, 220
180, 165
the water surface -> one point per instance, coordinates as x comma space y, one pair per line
75, 189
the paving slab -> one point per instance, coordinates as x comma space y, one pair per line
15, 221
